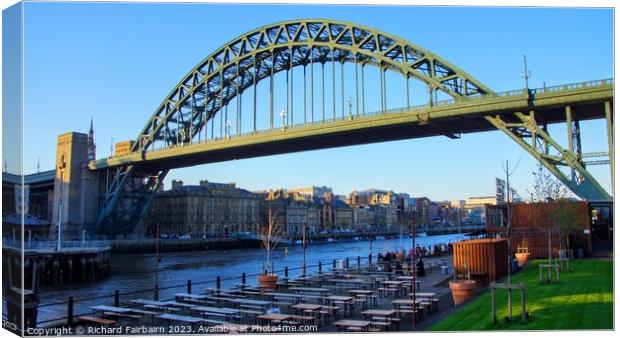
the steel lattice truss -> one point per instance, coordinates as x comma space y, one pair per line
241, 64
268, 50
535, 139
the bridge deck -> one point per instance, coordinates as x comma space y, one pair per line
450, 119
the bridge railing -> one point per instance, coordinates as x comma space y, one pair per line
468, 99
577, 85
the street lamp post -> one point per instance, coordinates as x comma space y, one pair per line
413, 274
350, 102
63, 165
227, 129
283, 114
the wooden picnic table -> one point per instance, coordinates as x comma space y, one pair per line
409, 279
180, 305
189, 296
385, 314
322, 291
106, 308
304, 306
346, 282
424, 294
274, 317
228, 313
408, 302
149, 302
346, 300
178, 318
261, 303
398, 303
367, 294
154, 304
292, 296
345, 323
222, 310
396, 283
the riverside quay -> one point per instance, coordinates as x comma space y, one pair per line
306, 169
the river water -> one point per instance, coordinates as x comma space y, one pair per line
136, 273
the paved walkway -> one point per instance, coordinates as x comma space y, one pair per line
434, 281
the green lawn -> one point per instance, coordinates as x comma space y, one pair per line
583, 299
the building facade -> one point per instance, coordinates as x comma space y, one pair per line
206, 210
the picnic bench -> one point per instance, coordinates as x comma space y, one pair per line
549, 267
178, 318
96, 320
353, 325
381, 318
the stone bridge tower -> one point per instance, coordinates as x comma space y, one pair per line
75, 187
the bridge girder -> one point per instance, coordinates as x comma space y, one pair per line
527, 128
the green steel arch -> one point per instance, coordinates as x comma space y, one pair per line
263, 52
242, 63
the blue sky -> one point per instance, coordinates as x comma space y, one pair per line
117, 62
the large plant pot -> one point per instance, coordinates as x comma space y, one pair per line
522, 258
462, 290
400, 256
268, 282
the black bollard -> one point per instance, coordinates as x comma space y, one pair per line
70, 311
243, 279
347, 262
320, 267
189, 286
334, 264
217, 283
117, 298
286, 271
359, 262
156, 292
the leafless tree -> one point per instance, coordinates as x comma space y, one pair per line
270, 235
546, 186
565, 219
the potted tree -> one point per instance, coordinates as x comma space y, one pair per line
464, 288
270, 236
522, 255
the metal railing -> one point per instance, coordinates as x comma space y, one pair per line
166, 293
50, 245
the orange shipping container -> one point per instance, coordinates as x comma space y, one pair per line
485, 259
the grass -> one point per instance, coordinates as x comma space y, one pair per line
583, 299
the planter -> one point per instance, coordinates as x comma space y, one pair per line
462, 290
268, 282
400, 256
522, 258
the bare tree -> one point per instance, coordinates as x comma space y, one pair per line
270, 236
565, 219
546, 186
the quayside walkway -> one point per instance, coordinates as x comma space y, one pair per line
346, 296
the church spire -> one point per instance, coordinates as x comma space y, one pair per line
91, 141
